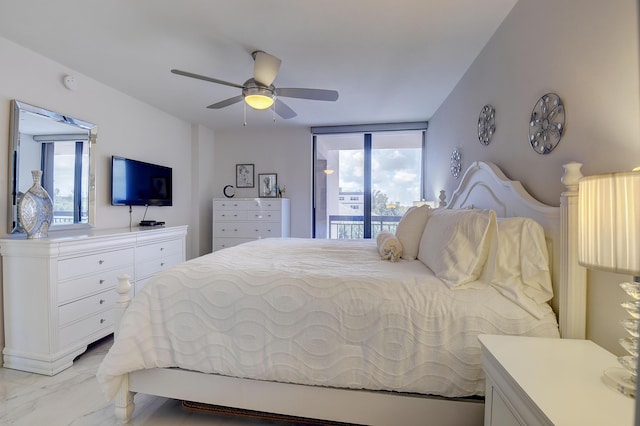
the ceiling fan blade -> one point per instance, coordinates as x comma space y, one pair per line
205, 78
226, 102
265, 68
312, 94
283, 110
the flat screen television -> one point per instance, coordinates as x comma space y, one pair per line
136, 183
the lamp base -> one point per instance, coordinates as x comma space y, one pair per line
620, 380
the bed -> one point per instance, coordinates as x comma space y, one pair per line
344, 336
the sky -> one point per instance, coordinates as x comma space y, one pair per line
395, 172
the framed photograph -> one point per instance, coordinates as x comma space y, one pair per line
268, 184
244, 176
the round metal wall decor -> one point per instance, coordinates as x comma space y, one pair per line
456, 163
547, 123
486, 124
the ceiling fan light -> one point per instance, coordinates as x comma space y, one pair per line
259, 101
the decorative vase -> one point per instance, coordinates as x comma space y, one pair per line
35, 209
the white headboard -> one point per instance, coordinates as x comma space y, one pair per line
485, 186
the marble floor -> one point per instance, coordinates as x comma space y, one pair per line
73, 397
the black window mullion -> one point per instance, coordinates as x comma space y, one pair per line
46, 165
367, 185
77, 187
313, 186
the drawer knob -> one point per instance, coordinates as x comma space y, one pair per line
102, 301
161, 263
102, 320
235, 230
102, 281
161, 248
100, 262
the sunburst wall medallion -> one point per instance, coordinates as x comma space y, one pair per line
456, 163
486, 124
546, 126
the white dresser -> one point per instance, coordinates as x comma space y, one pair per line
239, 220
59, 292
539, 381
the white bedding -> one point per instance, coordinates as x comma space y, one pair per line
319, 312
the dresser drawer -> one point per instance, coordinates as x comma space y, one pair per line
252, 230
157, 250
150, 267
83, 286
232, 204
230, 215
89, 305
264, 204
260, 215
80, 330
221, 243
78, 266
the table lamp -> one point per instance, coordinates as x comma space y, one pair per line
609, 240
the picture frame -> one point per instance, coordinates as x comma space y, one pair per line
245, 176
268, 185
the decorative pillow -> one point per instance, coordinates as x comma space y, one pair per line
410, 229
389, 246
518, 267
455, 244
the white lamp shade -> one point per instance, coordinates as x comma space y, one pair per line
609, 222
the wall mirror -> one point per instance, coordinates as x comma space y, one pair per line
60, 146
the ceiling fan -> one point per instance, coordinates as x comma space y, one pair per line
259, 92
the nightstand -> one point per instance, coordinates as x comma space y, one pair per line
543, 381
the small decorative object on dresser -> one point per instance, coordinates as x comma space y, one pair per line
268, 184
486, 124
229, 191
35, 209
241, 220
244, 176
546, 125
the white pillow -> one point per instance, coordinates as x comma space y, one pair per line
410, 229
455, 244
519, 265
389, 246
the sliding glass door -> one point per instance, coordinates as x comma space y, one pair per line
364, 182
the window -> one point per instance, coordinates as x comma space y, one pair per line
365, 181
66, 164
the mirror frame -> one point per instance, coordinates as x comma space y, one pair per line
14, 162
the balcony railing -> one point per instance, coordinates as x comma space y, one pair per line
352, 227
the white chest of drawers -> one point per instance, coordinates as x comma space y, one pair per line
59, 292
239, 220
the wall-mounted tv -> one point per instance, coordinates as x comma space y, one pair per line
136, 183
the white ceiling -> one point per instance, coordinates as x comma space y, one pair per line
391, 61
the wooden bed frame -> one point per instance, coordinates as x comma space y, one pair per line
482, 186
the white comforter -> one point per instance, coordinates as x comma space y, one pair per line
319, 312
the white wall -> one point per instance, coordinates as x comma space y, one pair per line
126, 127
287, 152
203, 190
587, 52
